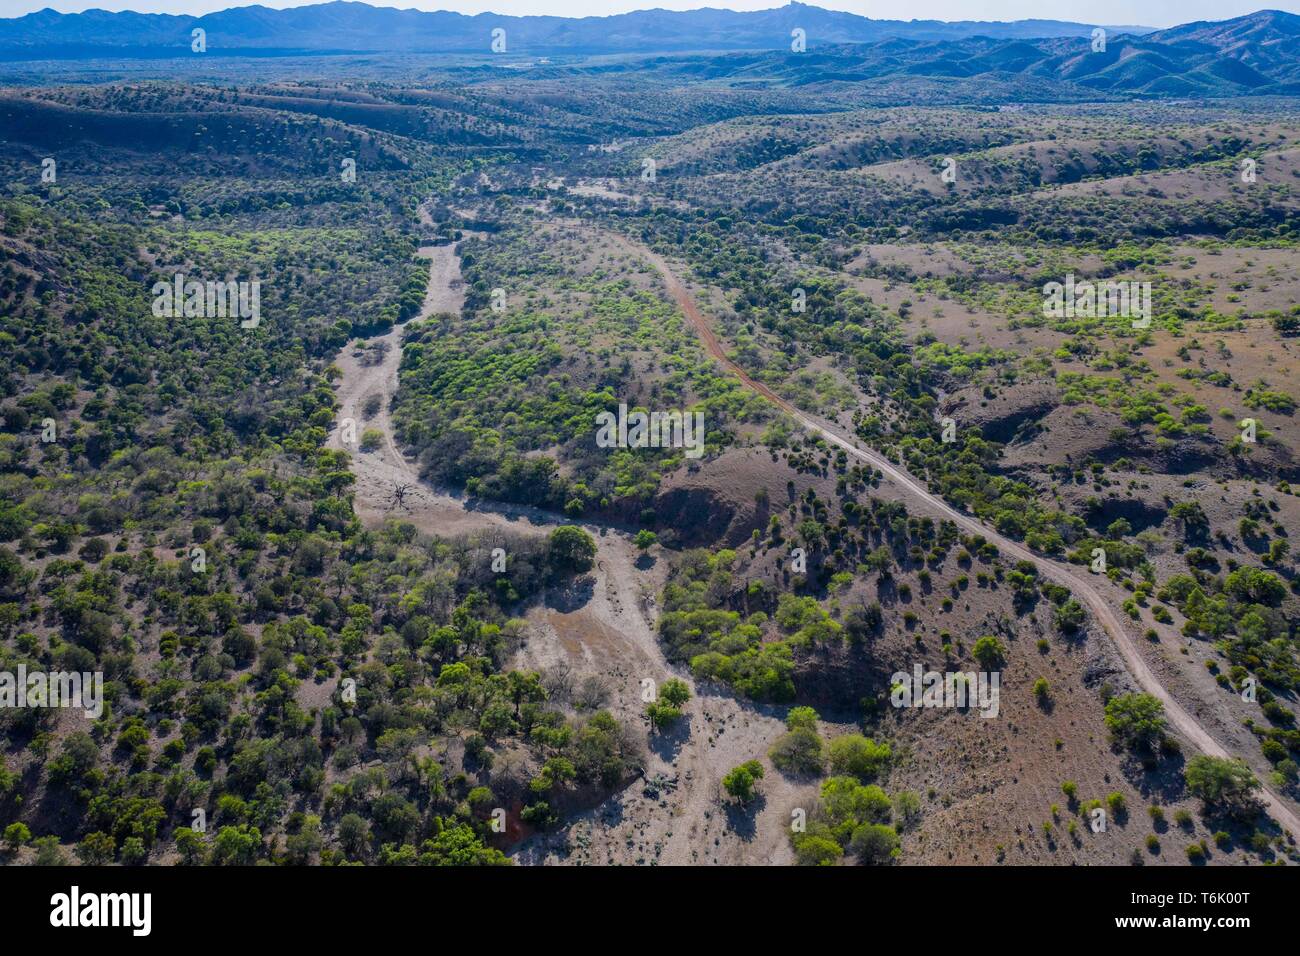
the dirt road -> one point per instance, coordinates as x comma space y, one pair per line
612, 632
1064, 575
609, 631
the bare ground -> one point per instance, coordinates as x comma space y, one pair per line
605, 627
1101, 607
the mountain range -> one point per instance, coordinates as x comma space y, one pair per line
357, 28
850, 58
1257, 54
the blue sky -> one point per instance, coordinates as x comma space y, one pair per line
1157, 13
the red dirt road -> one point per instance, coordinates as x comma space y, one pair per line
1064, 575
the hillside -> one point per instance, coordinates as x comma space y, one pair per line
677, 458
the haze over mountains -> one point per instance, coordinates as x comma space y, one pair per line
358, 27
1257, 54
847, 56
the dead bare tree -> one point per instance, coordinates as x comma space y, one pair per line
398, 497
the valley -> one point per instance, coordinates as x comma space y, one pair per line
367, 585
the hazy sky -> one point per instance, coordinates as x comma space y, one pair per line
1157, 13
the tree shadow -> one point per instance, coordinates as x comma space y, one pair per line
571, 596
668, 742
1159, 779
742, 818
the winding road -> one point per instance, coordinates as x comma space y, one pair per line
443, 513
1064, 575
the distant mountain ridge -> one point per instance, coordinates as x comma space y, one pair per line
1257, 54
846, 55
357, 27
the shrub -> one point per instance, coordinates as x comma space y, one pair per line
907, 807
989, 651
857, 756
875, 843
814, 850
799, 752
1069, 617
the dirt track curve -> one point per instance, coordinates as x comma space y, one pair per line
1183, 721
624, 605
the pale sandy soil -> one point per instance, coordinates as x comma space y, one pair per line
606, 627
1214, 182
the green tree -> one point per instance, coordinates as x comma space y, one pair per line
96, 849
191, 845
354, 835
1222, 783
1190, 517
17, 834
460, 846
801, 718
237, 846
572, 548
799, 752
739, 782
1252, 584
675, 691
1135, 720
662, 714
48, 852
